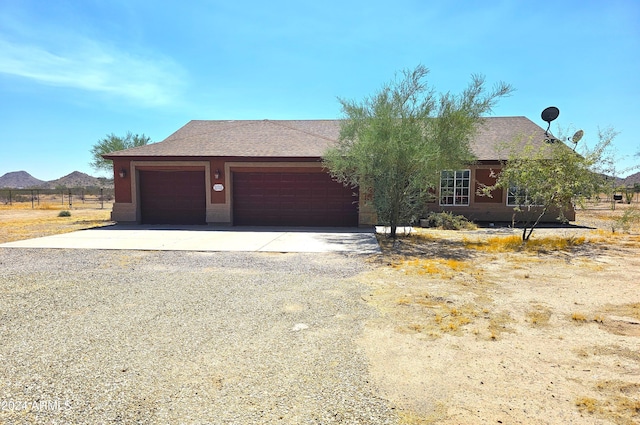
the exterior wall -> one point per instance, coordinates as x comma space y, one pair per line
491, 209
122, 185
219, 202
219, 208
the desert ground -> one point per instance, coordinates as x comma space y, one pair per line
22, 220
473, 327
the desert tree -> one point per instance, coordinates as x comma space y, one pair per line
112, 143
394, 144
550, 177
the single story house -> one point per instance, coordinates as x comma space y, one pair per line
269, 173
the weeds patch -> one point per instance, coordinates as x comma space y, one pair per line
620, 402
514, 243
432, 266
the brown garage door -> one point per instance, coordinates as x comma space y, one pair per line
172, 197
292, 199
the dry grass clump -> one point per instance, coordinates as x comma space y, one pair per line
539, 315
587, 404
451, 318
431, 266
514, 243
499, 323
620, 403
440, 317
578, 317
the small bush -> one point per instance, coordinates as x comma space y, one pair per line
64, 213
629, 219
448, 221
578, 317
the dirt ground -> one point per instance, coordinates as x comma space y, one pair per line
474, 330
20, 221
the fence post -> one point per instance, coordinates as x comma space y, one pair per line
70, 201
38, 196
31, 198
101, 199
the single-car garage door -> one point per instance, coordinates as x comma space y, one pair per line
172, 197
292, 199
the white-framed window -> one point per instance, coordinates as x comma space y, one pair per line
518, 197
454, 187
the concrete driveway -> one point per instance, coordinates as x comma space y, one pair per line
206, 238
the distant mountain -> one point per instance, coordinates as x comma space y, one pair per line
76, 179
20, 180
24, 180
632, 179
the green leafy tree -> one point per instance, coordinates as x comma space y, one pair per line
552, 177
112, 143
393, 144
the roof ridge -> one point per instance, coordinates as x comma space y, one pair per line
280, 123
240, 124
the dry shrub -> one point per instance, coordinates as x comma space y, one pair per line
448, 221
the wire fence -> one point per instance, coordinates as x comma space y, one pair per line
78, 196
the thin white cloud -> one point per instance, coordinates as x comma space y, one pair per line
93, 66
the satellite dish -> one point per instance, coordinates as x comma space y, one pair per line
577, 136
548, 115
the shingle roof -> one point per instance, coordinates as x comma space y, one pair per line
495, 133
301, 138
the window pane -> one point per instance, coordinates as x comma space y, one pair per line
454, 187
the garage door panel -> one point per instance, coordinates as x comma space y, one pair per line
172, 197
292, 199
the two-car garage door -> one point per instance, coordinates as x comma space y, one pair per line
292, 199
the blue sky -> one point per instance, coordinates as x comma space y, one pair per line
72, 71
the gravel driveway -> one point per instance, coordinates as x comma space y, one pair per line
183, 337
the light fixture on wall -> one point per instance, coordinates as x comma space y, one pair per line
216, 174
123, 172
